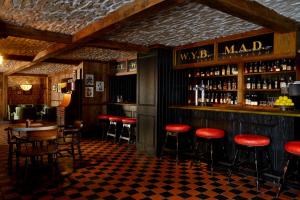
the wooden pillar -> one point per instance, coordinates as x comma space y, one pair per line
3, 99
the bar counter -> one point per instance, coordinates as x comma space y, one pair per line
280, 126
242, 109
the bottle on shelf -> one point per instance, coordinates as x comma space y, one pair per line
248, 83
253, 84
246, 68
223, 71
234, 70
282, 82
228, 70
264, 84
250, 68
276, 81
284, 65
289, 65
255, 67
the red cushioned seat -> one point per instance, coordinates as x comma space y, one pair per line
179, 128
252, 140
129, 120
210, 133
116, 119
104, 117
293, 147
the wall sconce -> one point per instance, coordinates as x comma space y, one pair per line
26, 87
1, 60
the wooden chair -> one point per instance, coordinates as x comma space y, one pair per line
37, 145
69, 139
11, 141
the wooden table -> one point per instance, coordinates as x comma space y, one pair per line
21, 127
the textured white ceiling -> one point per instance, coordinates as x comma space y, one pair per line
188, 23
65, 16
288, 8
47, 68
192, 22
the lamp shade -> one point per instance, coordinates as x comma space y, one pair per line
26, 87
1, 59
66, 100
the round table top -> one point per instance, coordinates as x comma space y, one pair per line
34, 126
42, 135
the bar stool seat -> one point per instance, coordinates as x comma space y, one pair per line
104, 117
129, 121
174, 130
179, 128
116, 119
252, 140
293, 147
210, 133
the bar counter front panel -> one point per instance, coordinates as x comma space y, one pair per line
279, 126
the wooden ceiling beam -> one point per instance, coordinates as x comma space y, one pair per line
254, 12
97, 29
123, 46
7, 29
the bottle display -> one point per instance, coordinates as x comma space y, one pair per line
265, 81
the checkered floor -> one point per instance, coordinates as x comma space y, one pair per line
111, 171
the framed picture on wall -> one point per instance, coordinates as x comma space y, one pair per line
54, 87
89, 79
99, 86
89, 92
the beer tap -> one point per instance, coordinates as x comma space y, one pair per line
202, 89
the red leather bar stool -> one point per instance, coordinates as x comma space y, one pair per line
253, 141
114, 127
128, 130
103, 122
293, 150
174, 130
210, 135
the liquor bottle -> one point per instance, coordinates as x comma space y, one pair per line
189, 75
269, 82
197, 73
277, 66
250, 68
247, 99
221, 98
246, 68
253, 84
207, 99
259, 67
283, 65
268, 67
263, 67
216, 100
254, 100
216, 71
276, 83
214, 86
207, 73
234, 70
228, 72
212, 98
225, 85
211, 72
202, 73
248, 83
282, 82
229, 85
258, 84
223, 71
210, 86
289, 65
264, 85
255, 67
219, 85
234, 84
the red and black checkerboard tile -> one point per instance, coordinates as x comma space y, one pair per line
111, 171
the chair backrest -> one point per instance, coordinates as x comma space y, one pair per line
9, 134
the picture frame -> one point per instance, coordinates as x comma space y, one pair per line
89, 92
54, 87
89, 79
99, 86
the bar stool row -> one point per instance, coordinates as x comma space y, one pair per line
118, 127
253, 142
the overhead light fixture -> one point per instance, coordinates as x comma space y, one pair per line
1, 60
26, 87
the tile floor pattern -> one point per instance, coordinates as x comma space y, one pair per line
114, 171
